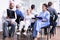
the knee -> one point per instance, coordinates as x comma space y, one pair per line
5, 23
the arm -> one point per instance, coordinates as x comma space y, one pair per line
4, 15
56, 16
47, 17
22, 16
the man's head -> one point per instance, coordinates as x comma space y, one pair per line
18, 6
32, 6
49, 4
11, 5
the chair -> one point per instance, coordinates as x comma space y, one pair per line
48, 31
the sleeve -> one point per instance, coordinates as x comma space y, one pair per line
56, 16
15, 15
22, 16
48, 16
38, 15
4, 15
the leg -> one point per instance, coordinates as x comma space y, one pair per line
27, 24
45, 31
53, 28
34, 31
12, 30
5, 30
21, 25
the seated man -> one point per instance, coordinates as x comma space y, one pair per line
53, 17
42, 20
9, 20
20, 16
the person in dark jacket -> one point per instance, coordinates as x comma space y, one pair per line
53, 18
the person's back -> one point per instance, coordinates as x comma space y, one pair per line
53, 17
52, 14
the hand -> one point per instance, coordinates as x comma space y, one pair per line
11, 22
7, 17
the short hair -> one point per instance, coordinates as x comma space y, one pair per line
32, 6
49, 3
45, 5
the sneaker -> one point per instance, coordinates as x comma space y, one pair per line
25, 33
18, 33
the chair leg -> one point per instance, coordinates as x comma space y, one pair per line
17, 37
55, 31
48, 33
41, 34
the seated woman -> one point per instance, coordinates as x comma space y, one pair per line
42, 20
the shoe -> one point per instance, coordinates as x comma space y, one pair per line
18, 33
25, 33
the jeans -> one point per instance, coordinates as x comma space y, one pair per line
34, 31
5, 28
53, 26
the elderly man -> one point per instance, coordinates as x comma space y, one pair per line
20, 16
9, 20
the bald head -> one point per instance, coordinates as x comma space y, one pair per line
18, 6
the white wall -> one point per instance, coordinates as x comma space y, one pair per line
3, 5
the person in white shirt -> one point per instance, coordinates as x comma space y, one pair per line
9, 17
27, 21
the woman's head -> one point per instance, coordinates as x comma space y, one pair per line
44, 7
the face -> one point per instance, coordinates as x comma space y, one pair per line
28, 12
11, 6
43, 8
18, 6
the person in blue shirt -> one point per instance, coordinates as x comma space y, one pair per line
19, 12
43, 19
20, 16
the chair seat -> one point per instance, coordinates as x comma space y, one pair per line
48, 26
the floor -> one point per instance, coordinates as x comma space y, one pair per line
22, 37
